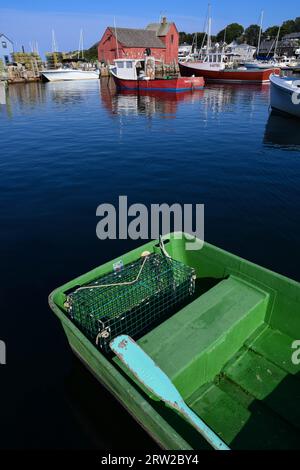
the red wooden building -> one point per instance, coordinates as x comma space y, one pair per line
162, 38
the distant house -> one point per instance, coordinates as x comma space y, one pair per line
162, 38
184, 50
293, 38
6, 48
286, 47
238, 51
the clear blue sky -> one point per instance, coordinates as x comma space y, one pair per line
25, 21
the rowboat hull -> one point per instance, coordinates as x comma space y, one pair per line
228, 352
229, 76
172, 84
284, 97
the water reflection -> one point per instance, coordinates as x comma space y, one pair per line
147, 103
32, 95
70, 92
215, 99
223, 97
282, 132
28, 94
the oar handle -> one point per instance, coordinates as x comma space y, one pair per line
203, 429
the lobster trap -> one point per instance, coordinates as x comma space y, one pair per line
131, 299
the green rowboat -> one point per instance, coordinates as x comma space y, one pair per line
232, 352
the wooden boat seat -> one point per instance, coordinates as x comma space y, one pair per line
194, 344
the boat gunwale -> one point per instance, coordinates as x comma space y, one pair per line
133, 394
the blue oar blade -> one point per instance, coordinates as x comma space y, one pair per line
144, 368
154, 379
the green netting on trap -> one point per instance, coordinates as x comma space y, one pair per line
131, 300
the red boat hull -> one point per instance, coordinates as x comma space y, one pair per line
169, 84
230, 76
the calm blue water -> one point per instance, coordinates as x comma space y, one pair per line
68, 147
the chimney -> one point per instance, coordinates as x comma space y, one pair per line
164, 20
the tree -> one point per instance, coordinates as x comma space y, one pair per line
297, 24
252, 34
288, 27
271, 32
232, 32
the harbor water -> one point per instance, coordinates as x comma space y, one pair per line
68, 147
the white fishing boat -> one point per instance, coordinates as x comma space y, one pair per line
285, 94
69, 74
207, 60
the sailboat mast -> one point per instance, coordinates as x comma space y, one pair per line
80, 48
209, 29
277, 40
260, 32
54, 44
116, 36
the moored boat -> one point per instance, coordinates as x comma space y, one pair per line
67, 74
239, 75
285, 95
136, 74
229, 344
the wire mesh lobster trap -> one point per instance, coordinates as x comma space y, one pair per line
130, 300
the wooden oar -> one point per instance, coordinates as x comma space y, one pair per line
149, 374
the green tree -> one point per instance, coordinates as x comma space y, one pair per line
271, 32
232, 32
288, 27
297, 24
252, 34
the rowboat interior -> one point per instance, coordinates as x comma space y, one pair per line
228, 350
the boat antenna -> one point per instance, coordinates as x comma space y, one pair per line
260, 32
116, 36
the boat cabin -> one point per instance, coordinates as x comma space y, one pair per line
134, 69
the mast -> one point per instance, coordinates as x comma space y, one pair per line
260, 32
209, 29
80, 49
277, 40
116, 36
54, 44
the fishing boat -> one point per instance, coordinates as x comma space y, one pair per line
67, 74
137, 74
230, 75
206, 61
285, 95
211, 65
200, 346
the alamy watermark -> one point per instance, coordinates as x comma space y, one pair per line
296, 353
296, 94
138, 222
2, 353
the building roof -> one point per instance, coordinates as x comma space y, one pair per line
292, 36
2, 34
137, 37
161, 29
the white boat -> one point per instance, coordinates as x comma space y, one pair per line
285, 94
210, 62
70, 74
258, 64
206, 60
